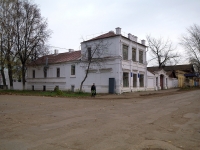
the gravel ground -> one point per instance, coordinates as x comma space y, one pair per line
162, 120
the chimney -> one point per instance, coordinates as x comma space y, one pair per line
55, 51
71, 50
143, 42
130, 36
118, 31
135, 37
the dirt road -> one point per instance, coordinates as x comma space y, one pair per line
166, 120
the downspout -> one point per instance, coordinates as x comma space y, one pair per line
120, 67
146, 85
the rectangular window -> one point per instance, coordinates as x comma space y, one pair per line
33, 88
141, 57
89, 53
141, 80
73, 70
33, 75
44, 88
134, 80
58, 72
125, 79
72, 88
133, 54
125, 52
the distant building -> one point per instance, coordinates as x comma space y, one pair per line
181, 72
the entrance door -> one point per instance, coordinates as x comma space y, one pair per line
111, 85
161, 81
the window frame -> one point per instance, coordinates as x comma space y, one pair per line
135, 52
89, 51
73, 70
141, 79
125, 56
125, 77
135, 80
141, 55
33, 73
57, 72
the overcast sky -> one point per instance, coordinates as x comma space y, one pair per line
74, 20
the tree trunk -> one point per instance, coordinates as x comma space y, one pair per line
10, 74
4, 78
81, 86
86, 74
23, 76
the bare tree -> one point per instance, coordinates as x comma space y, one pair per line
162, 51
7, 32
191, 43
95, 54
2, 59
31, 33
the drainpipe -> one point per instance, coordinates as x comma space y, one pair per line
146, 85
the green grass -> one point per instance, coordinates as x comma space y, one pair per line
44, 93
189, 88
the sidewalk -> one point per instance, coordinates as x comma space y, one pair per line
139, 94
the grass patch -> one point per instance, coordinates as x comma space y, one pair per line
189, 88
45, 93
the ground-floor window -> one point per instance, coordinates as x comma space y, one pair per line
141, 80
125, 79
72, 88
44, 88
134, 80
33, 88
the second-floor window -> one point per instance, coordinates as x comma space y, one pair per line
89, 53
140, 56
33, 75
125, 52
73, 70
58, 72
133, 54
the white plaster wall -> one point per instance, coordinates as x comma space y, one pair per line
172, 83
151, 81
101, 77
51, 81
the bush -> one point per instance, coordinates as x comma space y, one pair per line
58, 92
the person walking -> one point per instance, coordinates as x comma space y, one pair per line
93, 90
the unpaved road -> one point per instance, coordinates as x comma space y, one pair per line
153, 121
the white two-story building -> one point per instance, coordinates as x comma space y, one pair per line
123, 67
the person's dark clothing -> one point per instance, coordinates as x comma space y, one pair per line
93, 90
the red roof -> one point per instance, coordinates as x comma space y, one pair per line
106, 35
58, 58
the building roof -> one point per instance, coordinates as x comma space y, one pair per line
58, 58
106, 35
185, 68
110, 34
